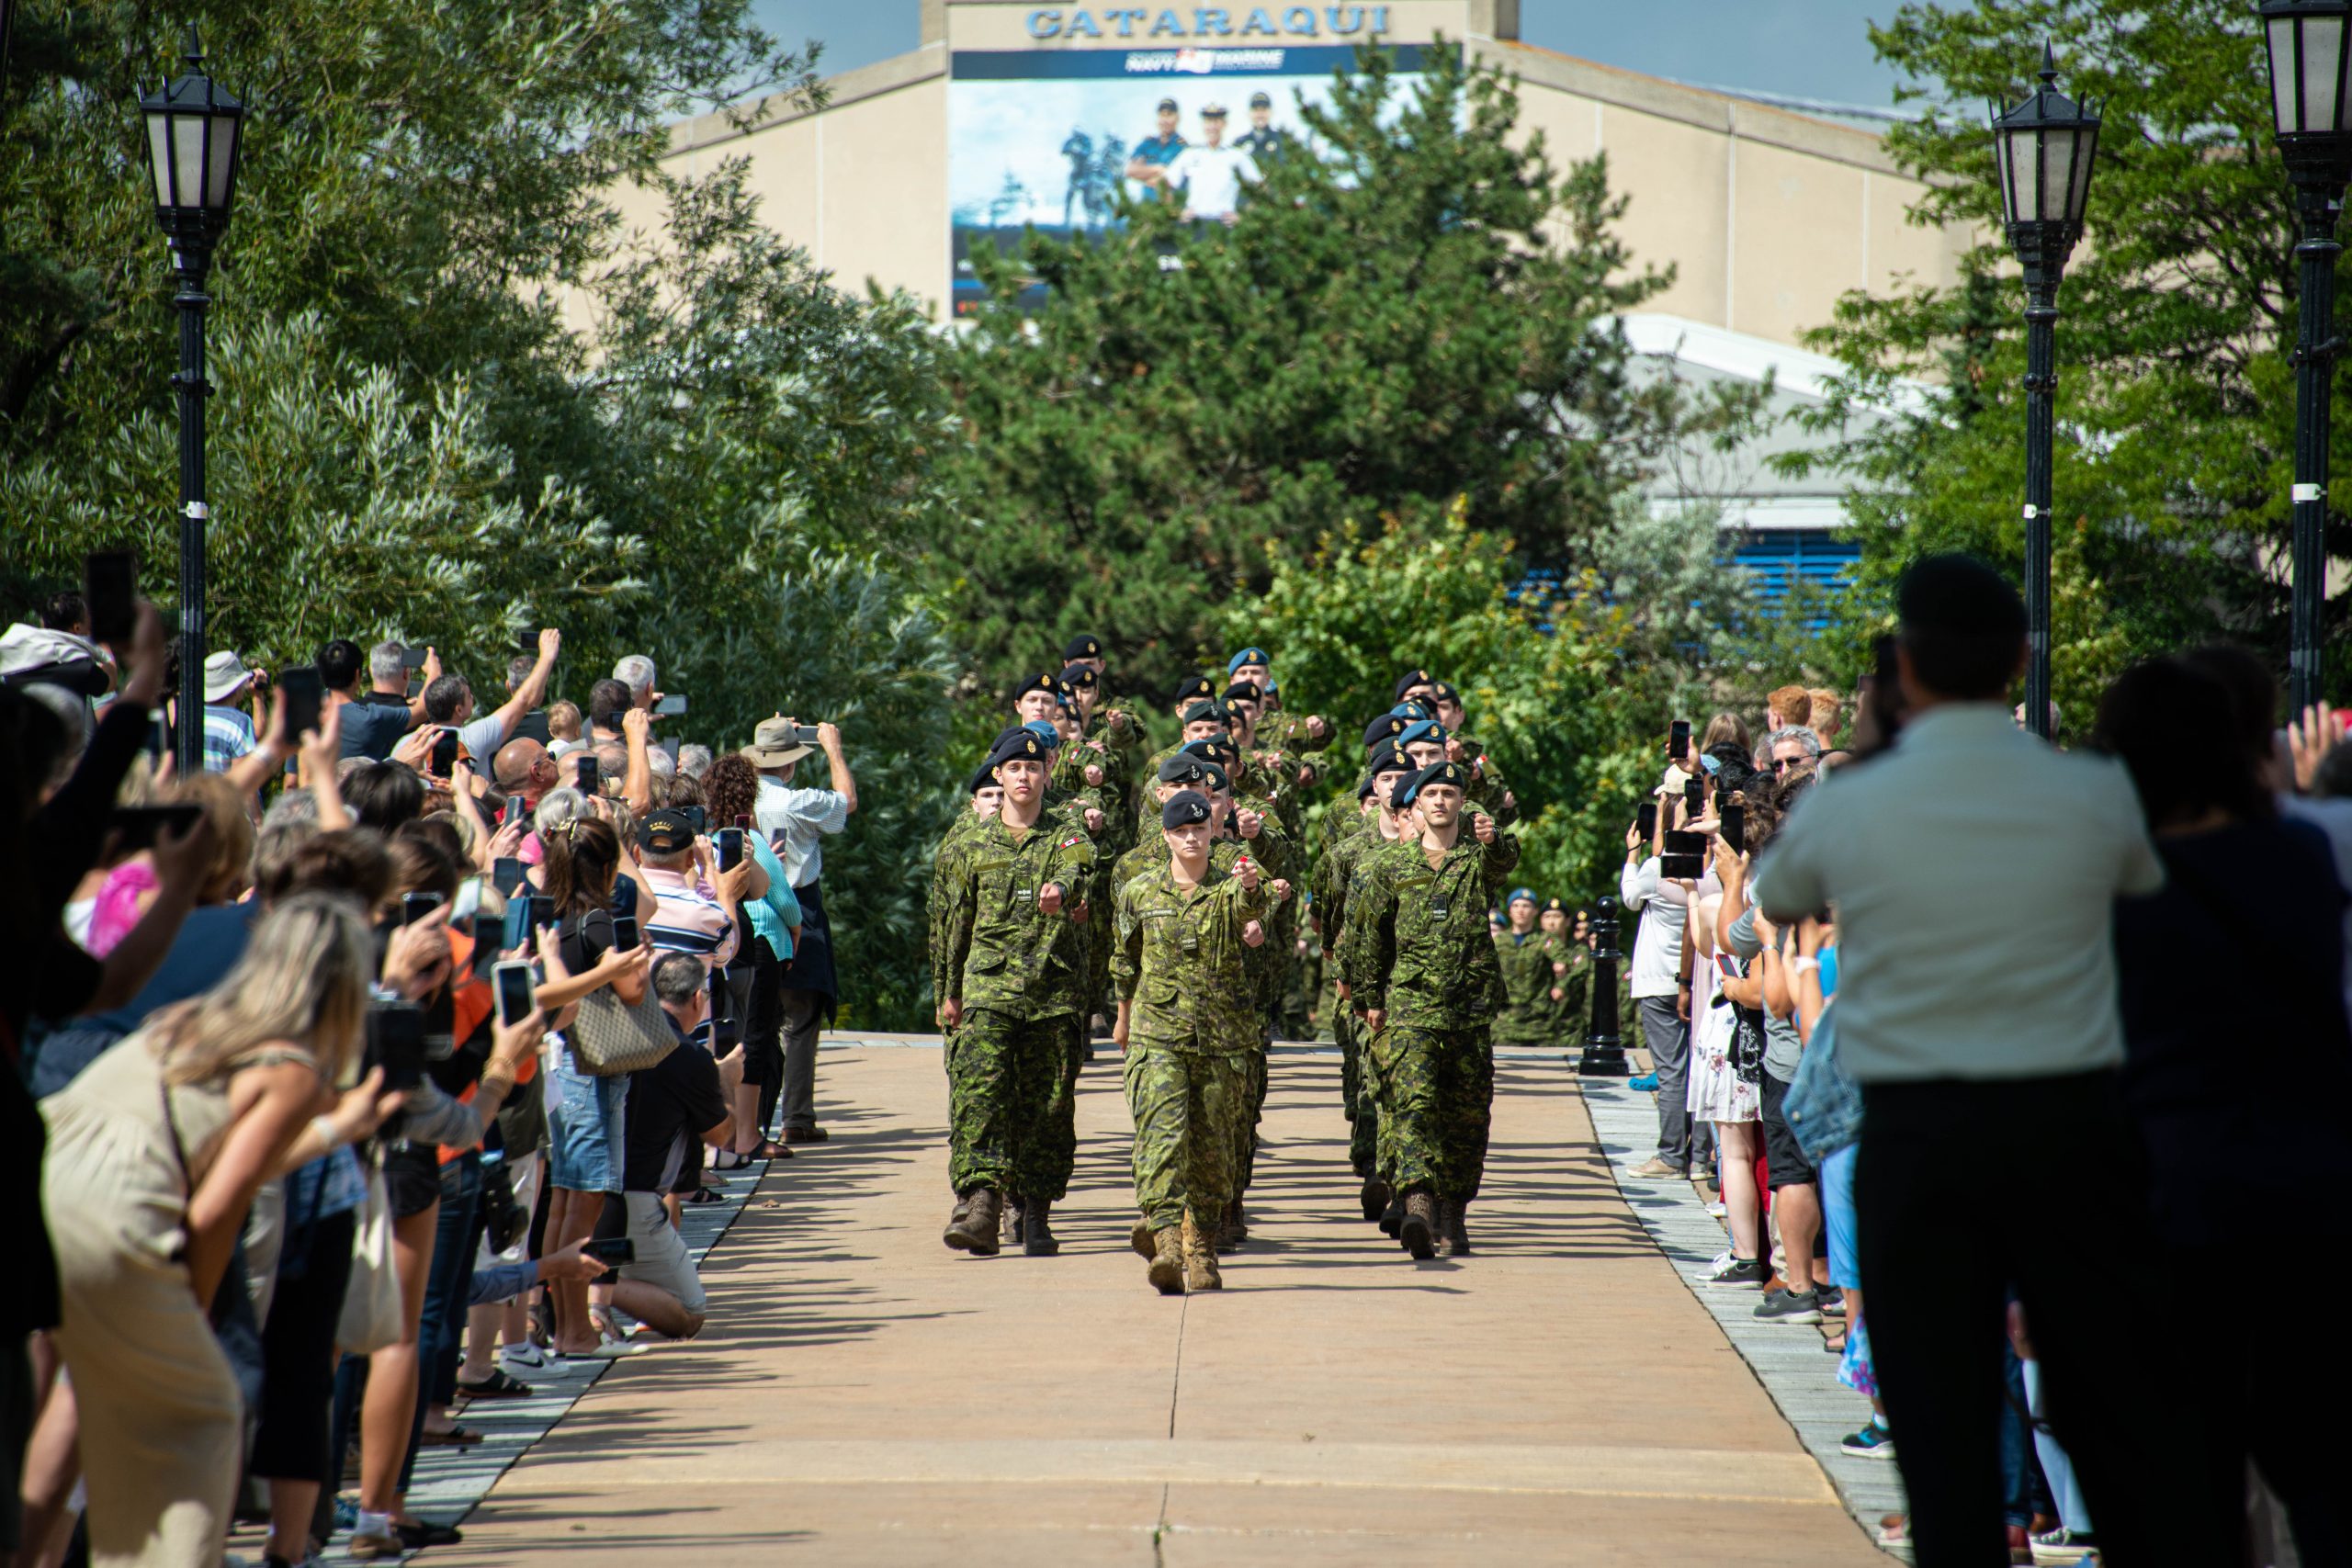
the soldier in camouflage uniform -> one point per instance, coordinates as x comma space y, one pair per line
1530, 1016
1572, 975
1181, 933
1423, 976
1489, 791
1009, 979
1334, 886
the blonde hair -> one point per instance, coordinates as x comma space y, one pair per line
303, 980
1823, 718
563, 721
229, 816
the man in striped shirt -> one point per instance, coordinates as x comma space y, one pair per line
229, 733
694, 903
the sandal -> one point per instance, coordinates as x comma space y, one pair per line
727, 1159
1835, 1344
769, 1149
498, 1385
455, 1438
703, 1195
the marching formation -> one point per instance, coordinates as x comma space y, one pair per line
1174, 893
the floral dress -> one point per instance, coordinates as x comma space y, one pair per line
1719, 1091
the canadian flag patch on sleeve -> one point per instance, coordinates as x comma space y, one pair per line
1073, 839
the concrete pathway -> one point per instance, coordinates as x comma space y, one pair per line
865, 1396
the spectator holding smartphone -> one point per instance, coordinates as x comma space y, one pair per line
797, 819
731, 789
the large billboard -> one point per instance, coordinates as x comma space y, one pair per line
1054, 139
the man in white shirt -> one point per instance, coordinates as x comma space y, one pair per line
796, 821
1974, 872
1210, 175
1658, 981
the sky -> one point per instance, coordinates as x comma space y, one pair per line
1810, 49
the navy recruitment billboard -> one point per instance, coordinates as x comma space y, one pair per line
1055, 138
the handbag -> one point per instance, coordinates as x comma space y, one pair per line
504, 1219
1822, 1105
371, 1300
609, 1037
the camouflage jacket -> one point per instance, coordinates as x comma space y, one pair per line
1527, 970
1287, 732
1179, 958
1417, 941
998, 951
1488, 789
1335, 883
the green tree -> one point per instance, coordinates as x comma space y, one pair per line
2176, 400
1416, 311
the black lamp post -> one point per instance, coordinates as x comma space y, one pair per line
192, 133
1603, 1056
7, 14
2307, 43
2044, 148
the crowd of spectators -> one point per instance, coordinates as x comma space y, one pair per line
361, 1077
2027, 1046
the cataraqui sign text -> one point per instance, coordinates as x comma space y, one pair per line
1210, 22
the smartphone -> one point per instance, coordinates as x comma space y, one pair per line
111, 589
625, 934
517, 810
1646, 820
624, 895
306, 695
1682, 841
670, 705
445, 754
698, 818
1735, 819
542, 910
730, 844
1681, 868
415, 906
396, 1043
511, 983
413, 658
743, 818
805, 735
1694, 796
611, 1251
1677, 741
591, 781
141, 826
489, 935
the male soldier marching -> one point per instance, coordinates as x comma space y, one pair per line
1382, 826
1529, 965
1422, 976
1190, 1036
1012, 977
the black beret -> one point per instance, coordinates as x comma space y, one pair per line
1391, 757
1078, 677
1182, 768
984, 779
1209, 749
1083, 645
1442, 693
1204, 713
1408, 681
1452, 774
1194, 689
1364, 789
1045, 684
1183, 808
1244, 692
1387, 727
1553, 905
1231, 708
1215, 781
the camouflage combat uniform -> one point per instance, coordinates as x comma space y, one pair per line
1530, 1016
1020, 975
1334, 883
1178, 957
1418, 949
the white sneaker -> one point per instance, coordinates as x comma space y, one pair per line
529, 1357
1714, 1211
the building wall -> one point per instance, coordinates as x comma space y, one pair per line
1766, 217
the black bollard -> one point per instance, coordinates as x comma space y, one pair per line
1604, 1056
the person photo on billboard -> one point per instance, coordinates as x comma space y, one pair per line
1210, 176
1264, 141
1149, 165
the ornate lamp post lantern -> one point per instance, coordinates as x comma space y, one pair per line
2045, 147
192, 136
2308, 41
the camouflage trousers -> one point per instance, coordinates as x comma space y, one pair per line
1187, 1105
1255, 1112
1356, 1102
1436, 1089
1535, 1024
1011, 1103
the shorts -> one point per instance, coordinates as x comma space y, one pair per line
660, 1252
1784, 1159
585, 1129
1837, 1218
412, 1180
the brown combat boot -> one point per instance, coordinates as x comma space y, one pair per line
1167, 1250
1418, 1232
975, 1231
1374, 1199
1454, 1233
1009, 1219
1142, 1238
1037, 1238
1200, 1256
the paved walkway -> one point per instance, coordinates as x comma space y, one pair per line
865, 1396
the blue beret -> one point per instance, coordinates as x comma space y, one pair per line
1247, 656
1412, 711
1045, 732
1518, 893
1183, 808
1428, 729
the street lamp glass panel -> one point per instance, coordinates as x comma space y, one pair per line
2322, 71
2306, 42
192, 132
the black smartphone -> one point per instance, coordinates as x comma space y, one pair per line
511, 983
509, 876
624, 935
591, 781
306, 695
1681, 868
1682, 841
729, 845
396, 1043
517, 810
611, 1251
413, 658
445, 754
415, 906
111, 589
1677, 741
697, 819
488, 933
542, 911
744, 821
141, 826
1646, 820
670, 705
